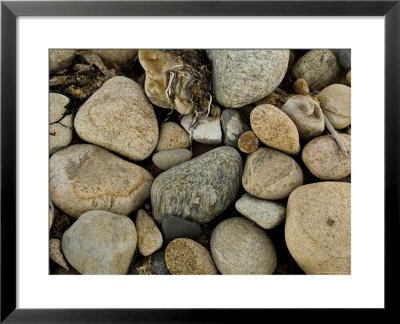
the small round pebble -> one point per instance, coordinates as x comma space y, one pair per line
300, 87
169, 158
265, 213
324, 158
248, 142
187, 257
239, 246
348, 77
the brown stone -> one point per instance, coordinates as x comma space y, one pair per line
248, 142
172, 136
324, 158
270, 174
60, 59
275, 129
300, 87
318, 227
187, 257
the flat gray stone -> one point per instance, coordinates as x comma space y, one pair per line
199, 189
169, 158
265, 213
176, 227
241, 77
100, 242
233, 126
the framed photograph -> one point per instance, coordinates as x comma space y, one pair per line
119, 115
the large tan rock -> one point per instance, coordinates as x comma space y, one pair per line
324, 158
84, 177
318, 227
319, 68
184, 256
270, 174
239, 246
100, 242
306, 115
275, 129
60, 59
120, 118
336, 105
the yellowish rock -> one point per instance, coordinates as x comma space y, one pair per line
275, 129
336, 105
56, 254
149, 236
300, 87
318, 227
172, 136
324, 158
348, 77
248, 142
187, 257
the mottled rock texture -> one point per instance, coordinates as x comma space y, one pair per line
239, 246
100, 242
233, 126
60, 59
117, 56
169, 158
248, 142
120, 118
172, 136
270, 174
241, 77
317, 229
149, 236
84, 177
199, 189
336, 105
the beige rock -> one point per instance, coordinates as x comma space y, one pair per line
118, 56
149, 236
172, 136
270, 174
169, 158
60, 128
306, 115
336, 105
319, 68
318, 227
100, 242
56, 254
60, 59
120, 118
84, 177
187, 257
324, 158
239, 246
275, 129
300, 87
248, 142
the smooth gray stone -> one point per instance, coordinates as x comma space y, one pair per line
169, 158
175, 227
233, 125
199, 189
151, 265
345, 59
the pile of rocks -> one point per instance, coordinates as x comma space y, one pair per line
200, 162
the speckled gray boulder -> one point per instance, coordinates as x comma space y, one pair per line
233, 125
169, 158
100, 242
199, 189
319, 68
241, 77
239, 246
265, 213
345, 59
60, 59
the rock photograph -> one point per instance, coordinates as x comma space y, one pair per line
199, 161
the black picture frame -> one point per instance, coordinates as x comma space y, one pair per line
10, 10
